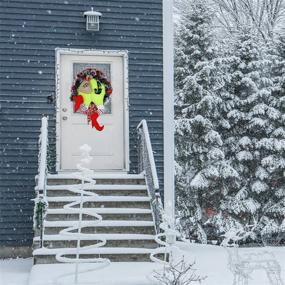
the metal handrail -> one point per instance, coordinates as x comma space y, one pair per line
143, 125
147, 165
41, 178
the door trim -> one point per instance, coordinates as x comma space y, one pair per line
114, 53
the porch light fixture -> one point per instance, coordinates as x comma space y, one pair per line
92, 20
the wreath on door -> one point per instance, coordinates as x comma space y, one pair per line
90, 92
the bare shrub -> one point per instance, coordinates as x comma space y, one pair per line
179, 273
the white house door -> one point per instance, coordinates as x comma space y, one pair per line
109, 147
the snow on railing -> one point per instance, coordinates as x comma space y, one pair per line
147, 165
40, 200
85, 175
166, 235
142, 126
42, 159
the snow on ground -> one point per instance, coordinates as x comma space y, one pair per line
15, 271
211, 261
122, 273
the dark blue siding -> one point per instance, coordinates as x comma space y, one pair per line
30, 31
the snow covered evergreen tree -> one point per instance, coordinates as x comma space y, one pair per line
255, 142
203, 174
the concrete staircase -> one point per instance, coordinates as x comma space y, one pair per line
127, 224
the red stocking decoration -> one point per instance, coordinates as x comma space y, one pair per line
78, 100
95, 123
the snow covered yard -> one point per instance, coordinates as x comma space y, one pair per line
211, 261
15, 271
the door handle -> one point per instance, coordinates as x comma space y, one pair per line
64, 118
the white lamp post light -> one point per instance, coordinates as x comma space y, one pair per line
92, 20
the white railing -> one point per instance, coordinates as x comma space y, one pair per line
41, 179
147, 165
142, 126
43, 147
166, 235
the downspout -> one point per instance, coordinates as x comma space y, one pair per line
168, 108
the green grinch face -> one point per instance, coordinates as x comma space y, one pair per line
90, 91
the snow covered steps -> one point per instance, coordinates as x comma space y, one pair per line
125, 207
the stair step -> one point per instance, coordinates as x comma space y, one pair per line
99, 176
113, 240
106, 230
99, 250
130, 257
111, 204
115, 254
108, 216
100, 199
104, 227
106, 187
104, 211
107, 236
102, 190
100, 224
99, 202
134, 179
109, 243
89, 251
141, 193
71, 181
